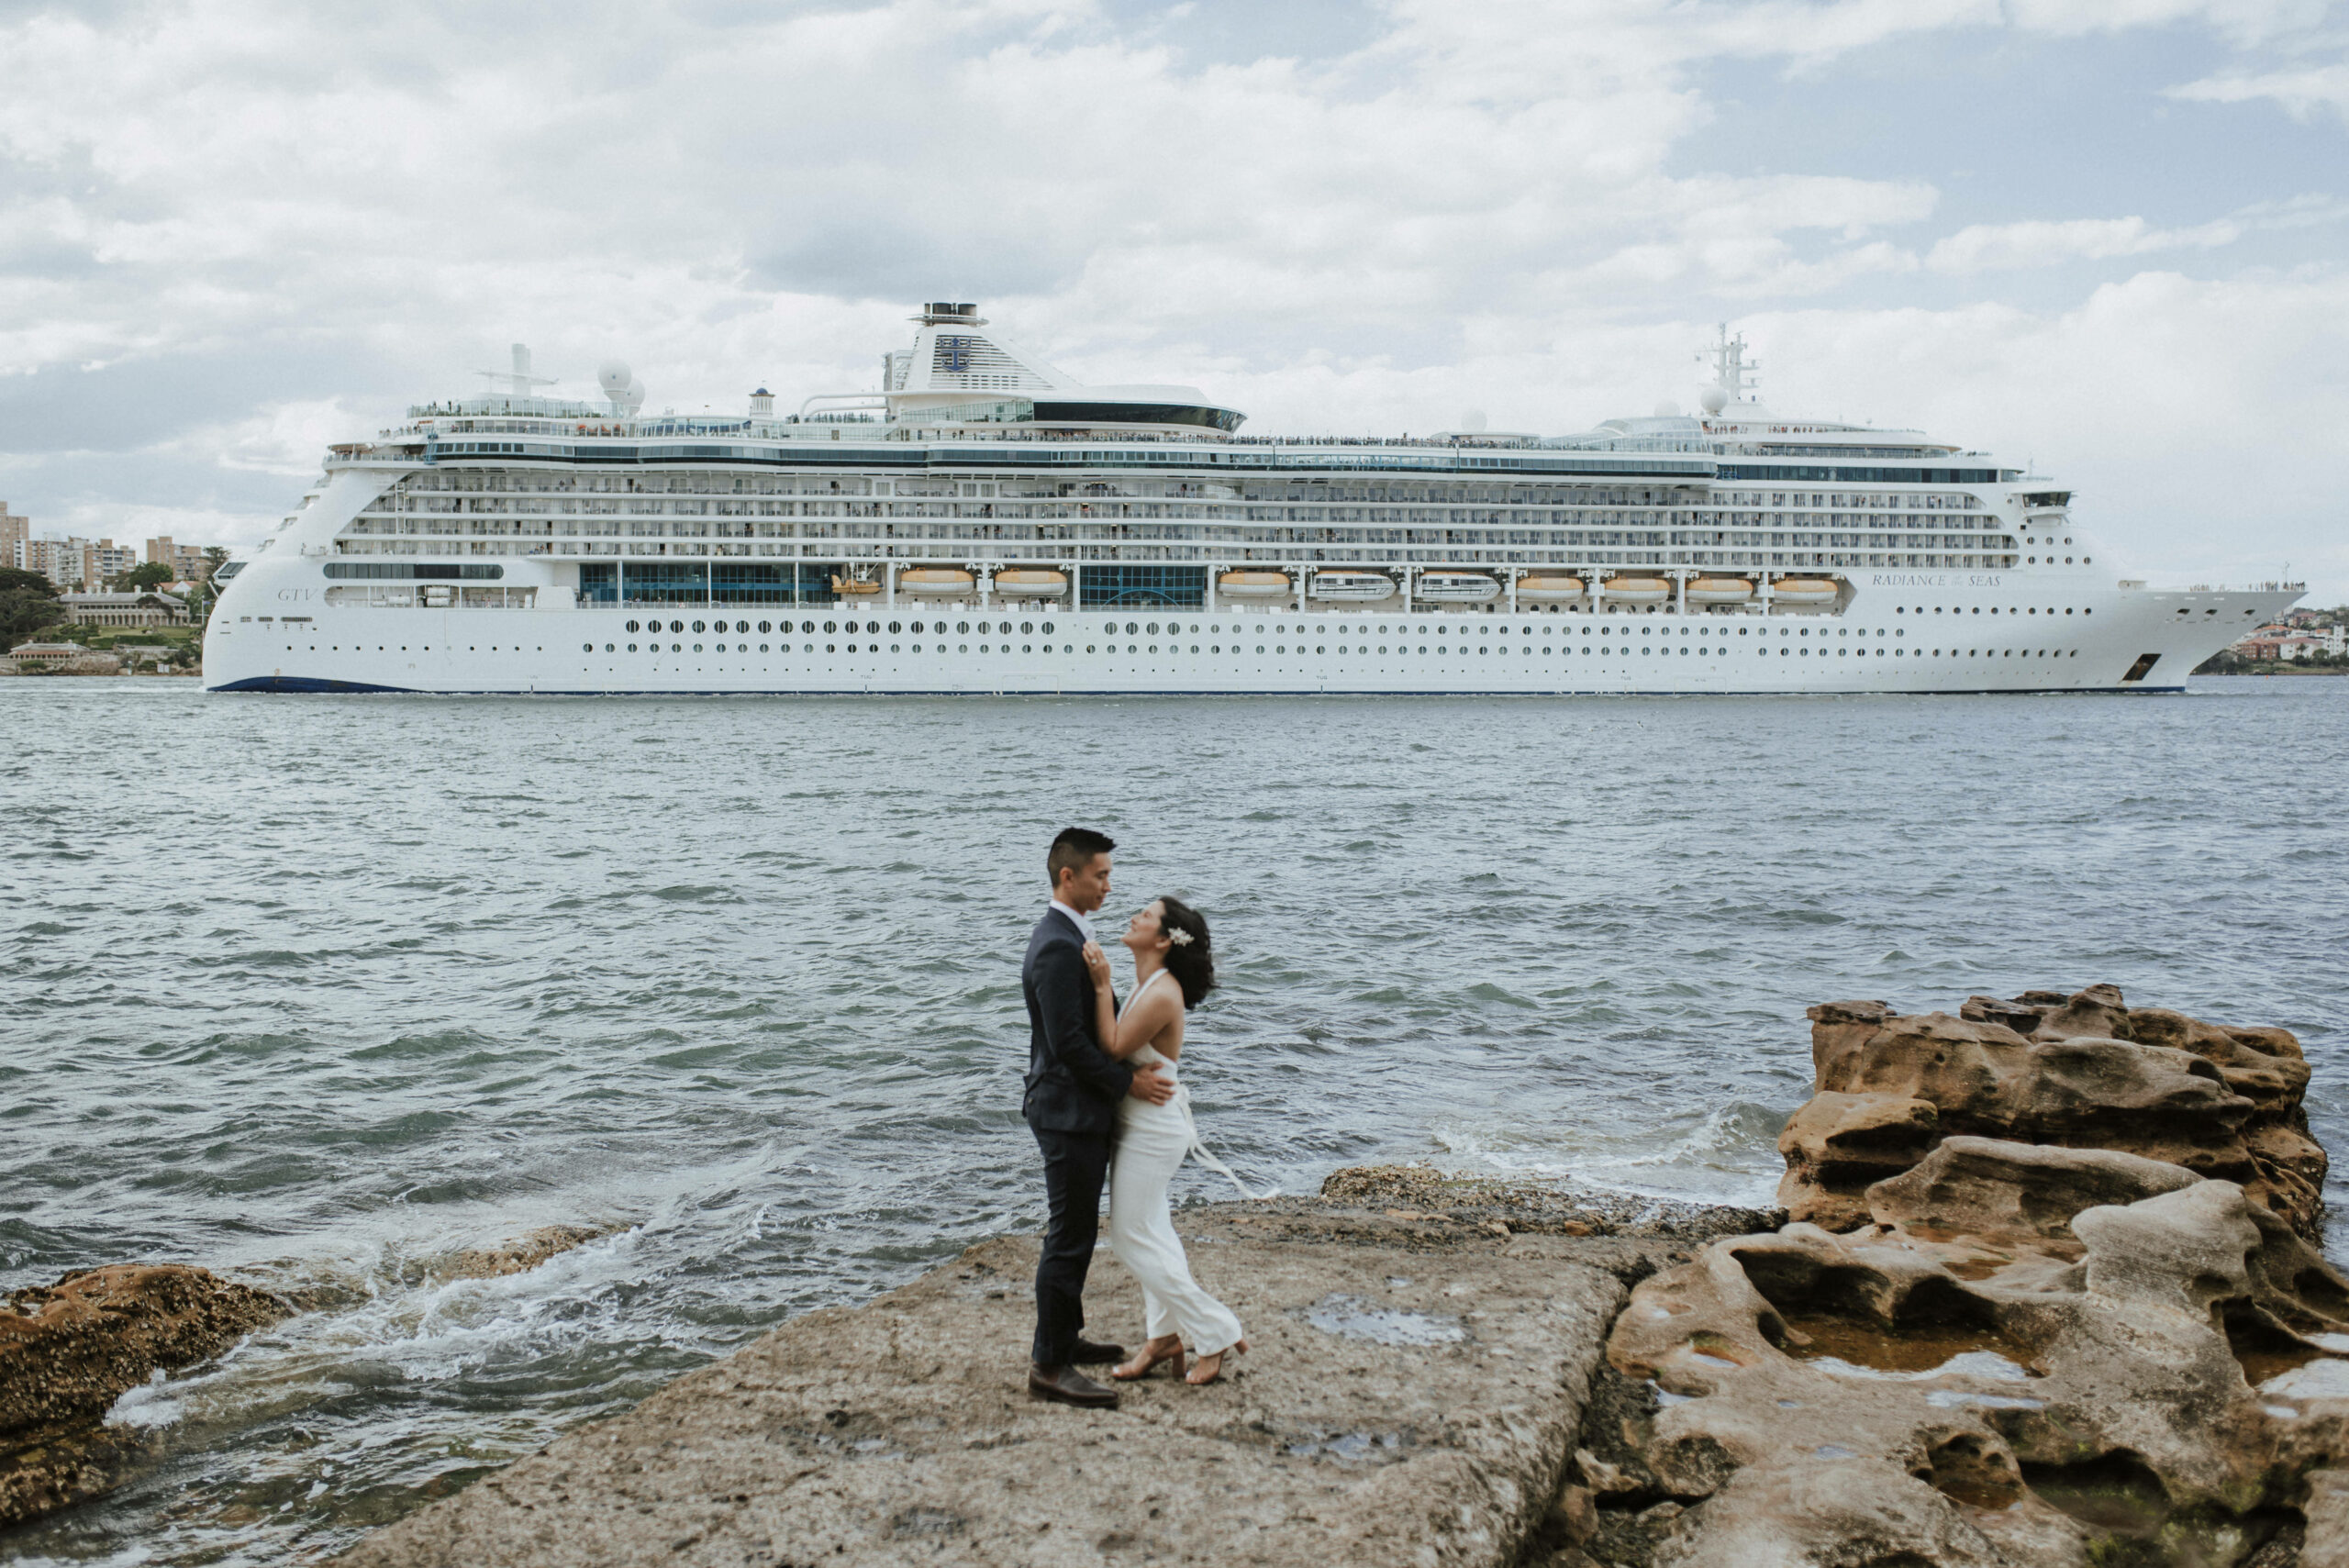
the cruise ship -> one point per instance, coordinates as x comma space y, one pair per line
984, 524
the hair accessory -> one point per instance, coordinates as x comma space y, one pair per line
1176, 936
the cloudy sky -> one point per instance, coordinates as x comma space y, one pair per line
2106, 235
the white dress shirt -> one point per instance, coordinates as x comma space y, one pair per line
1082, 924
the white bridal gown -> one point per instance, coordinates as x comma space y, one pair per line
1152, 1143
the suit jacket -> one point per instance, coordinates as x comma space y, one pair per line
1073, 1085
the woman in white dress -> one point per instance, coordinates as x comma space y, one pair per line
1172, 972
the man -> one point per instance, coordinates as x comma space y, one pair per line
1073, 1087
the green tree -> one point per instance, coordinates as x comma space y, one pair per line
27, 604
154, 575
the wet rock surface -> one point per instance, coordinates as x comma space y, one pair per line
68, 1350
1412, 1395
1998, 1351
526, 1251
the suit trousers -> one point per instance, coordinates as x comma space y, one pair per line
1075, 1166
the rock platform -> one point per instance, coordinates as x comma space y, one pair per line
1412, 1396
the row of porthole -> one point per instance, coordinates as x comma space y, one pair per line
872, 627
1283, 648
1134, 628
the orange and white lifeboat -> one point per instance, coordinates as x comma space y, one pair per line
1720, 590
1457, 588
1352, 587
1803, 591
1637, 590
1031, 582
854, 587
1253, 585
936, 582
1548, 590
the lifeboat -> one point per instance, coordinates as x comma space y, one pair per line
1457, 587
1031, 582
1548, 590
1252, 584
1637, 590
854, 587
1353, 587
935, 583
1801, 591
1718, 590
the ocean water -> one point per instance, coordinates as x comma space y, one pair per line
318, 991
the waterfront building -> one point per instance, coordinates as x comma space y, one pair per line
984, 523
14, 531
149, 606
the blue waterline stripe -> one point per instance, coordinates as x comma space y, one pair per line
303, 685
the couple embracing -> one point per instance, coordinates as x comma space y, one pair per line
1102, 1102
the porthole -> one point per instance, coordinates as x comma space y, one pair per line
607, 648
895, 627
631, 648
741, 626
1131, 629
698, 626
1152, 629
1026, 628
696, 646
962, 626
633, 626
830, 626
764, 627
676, 626
586, 648
1048, 629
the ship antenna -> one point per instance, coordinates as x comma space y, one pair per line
519, 380
1734, 375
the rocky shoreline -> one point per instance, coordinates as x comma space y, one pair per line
2042, 1291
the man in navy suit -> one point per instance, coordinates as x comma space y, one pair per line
1073, 1087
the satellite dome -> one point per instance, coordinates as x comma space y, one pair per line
1714, 399
614, 376
631, 397
1667, 409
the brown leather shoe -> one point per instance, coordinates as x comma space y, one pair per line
1087, 1353
1066, 1385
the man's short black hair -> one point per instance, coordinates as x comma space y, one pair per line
1074, 850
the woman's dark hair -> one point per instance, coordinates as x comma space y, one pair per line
1192, 963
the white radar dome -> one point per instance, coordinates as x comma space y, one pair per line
1667, 409
631, 397
1714, 399
614, 376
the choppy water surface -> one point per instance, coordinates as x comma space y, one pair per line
319, 990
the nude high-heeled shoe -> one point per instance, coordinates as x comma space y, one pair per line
1210, 1367
1153, 1352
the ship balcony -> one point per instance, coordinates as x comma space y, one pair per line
353, 454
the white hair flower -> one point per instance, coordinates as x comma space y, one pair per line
1177, 937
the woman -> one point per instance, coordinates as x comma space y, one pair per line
1172, 972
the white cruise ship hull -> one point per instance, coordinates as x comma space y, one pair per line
1937, 640
986, 525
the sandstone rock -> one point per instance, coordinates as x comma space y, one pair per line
2004, 1192
2092, 1072
2064, 1332
68, 1350
526, 1251
1849, 1513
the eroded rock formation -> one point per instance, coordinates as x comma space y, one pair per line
69, 1350
2080, 1072
2101, 1337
